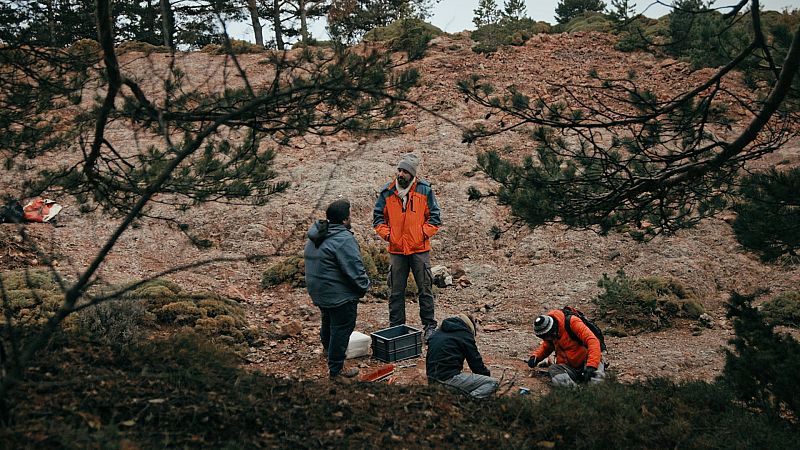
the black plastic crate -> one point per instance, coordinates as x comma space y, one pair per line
396, 343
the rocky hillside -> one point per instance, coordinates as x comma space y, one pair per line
506, 282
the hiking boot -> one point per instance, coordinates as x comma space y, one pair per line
345, 376
349, 373
428, 332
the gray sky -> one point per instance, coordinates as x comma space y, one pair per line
456, 15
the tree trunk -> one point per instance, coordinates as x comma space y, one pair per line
301, 10
167, 23
51, 23
276, 21
258, 32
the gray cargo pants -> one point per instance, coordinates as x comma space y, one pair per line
399, 266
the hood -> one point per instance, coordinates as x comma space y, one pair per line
452, 324
322, 229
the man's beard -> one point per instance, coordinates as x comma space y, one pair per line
403, 182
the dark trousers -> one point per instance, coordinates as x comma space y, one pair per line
337, 324
418, 264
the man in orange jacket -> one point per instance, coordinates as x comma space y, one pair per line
407, 215
577, 360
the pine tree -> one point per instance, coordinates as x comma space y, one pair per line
622, 157
514, 9
762, 367
487, 13
622, 10
567, 10
768, 216
192, 145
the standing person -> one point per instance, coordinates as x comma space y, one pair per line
336, 279
407, 215
577, 360
447, 350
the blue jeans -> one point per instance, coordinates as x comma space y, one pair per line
399, 266
337, 325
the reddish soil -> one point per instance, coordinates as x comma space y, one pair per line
511, 280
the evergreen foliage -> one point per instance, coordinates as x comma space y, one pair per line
768, 215
506, 32
350, 20
567, 10
704, 35
621, 11
644, 304
487, 13
619, 156
189, 145
783, 309
514, 9
406, 35
763, 365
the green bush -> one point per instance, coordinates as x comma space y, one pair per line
119, 325
783, 309
238, 47
704, 36
139, 46
400, 28
644, 304
506, 32
589, 21
768, 215
638, 35
290, 270
762, 368
29, 297
86, 49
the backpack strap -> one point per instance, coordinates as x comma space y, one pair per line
567, 317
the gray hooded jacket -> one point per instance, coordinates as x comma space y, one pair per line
335, 273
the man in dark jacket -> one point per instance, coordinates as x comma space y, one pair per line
336, 279
448, 347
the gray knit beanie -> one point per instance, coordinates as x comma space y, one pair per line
409, 163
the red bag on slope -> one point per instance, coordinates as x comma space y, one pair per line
41, 210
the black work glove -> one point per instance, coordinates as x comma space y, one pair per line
532, 362
588, 373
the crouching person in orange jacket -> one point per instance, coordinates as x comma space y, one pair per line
577, 360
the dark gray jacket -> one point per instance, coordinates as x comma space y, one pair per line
448, 347
335, 273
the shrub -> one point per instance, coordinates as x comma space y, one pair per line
589, 21
406, 35
768, 216
506, 32
290, 270
86, 49
704, 36
783, 309
238, 47
179, 313
29, 297
376, 260
139, 46
118, 325
763, 366
644, 304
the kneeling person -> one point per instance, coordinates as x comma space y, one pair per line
577, 361
448, 347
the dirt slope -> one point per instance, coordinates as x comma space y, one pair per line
512, 279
